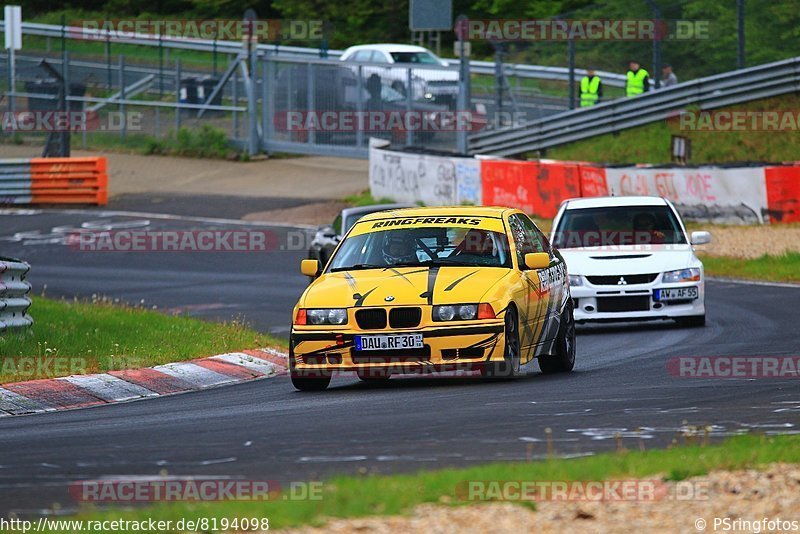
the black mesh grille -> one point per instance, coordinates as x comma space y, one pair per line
623, 304
405, 317
615, 279
371, 318
391, 356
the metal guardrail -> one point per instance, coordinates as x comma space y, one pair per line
14, 302
763, 81
234, 47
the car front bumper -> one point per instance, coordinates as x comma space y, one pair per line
633, 302
446, 348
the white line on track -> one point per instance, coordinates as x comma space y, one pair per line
169, 217
753, 282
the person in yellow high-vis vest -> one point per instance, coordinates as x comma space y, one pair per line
591, 89
638, 81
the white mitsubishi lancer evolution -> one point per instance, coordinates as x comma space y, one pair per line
630, 258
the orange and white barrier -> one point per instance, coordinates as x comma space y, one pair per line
54, 181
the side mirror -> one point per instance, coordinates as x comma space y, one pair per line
537, 260
701, 238
309, 267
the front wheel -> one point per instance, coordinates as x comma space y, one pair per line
509, 367
564, 359
306, 383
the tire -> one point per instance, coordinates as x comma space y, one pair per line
509, 367
304, 382
563, 360
693, 321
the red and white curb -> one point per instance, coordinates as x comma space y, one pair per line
78, 391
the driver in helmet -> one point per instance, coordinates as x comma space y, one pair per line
398, 248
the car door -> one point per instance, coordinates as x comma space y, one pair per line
540, 291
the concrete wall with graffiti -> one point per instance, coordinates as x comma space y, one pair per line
731, 195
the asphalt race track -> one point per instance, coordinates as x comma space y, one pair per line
621, 390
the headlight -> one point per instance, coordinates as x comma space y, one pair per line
327, 316
681, 275
455, 312
575, 280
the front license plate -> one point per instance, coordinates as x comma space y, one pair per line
390, 342
682, 293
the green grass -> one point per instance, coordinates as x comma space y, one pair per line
651, 143
113, 337
398, 494
785, 268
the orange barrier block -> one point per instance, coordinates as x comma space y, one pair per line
69, 180
536, 187
593, 181
783, 193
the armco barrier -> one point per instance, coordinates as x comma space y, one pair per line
14, 289
54, 181
727, 195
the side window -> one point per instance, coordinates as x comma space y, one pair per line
527, 238
538, 239
362, 55
337, 224
378, 57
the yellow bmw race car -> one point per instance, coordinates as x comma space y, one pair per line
434, 289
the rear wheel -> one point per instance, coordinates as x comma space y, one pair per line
564, 359
693, 321
509, 367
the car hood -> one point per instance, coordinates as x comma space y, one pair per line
634, 259
405, 285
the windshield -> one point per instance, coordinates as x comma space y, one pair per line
616, 226
409, 247
415, 57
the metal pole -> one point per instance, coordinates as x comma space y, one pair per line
264, 105
463, 103
122, 95
571, 60
235, 95
12, 79
360, 106
214, 58
252, 106
740, 58
108, 61
498, 83
177, 95
409, 106
311, 93
64, 105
